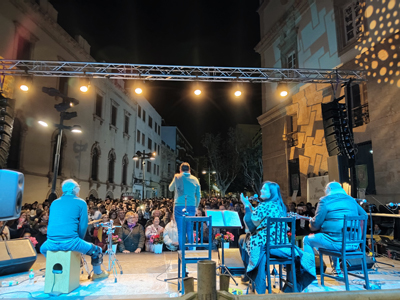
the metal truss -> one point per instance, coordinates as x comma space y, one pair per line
174, 73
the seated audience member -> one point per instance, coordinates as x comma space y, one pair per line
120, 220
131, 234
41, 236
377, 229
18, 228
154, 214
100, 234
171, 238
153, 229
5, 234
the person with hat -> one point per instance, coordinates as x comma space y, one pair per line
67, 227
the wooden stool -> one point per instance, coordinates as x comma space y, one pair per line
62, 271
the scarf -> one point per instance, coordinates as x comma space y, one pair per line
130, 226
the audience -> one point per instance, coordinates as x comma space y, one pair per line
153, 229
131, 234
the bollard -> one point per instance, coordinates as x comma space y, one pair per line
224, 282
206, 280
188, 284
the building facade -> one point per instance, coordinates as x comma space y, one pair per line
168, 158
100, 158
328, 34
148, 140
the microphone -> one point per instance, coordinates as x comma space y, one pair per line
254, 197
391, 204
361, 201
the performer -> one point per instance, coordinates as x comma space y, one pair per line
253, 243
187, 197
329, 219
67, 228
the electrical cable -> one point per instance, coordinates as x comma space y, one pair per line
19, 282
30, 294
165, 272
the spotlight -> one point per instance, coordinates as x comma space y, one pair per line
84, 88
282, 89
85, 85
24, 87
76, 129
238, 93
197, 92
138, 91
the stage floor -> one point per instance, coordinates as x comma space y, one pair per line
143, 277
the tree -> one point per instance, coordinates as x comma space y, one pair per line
224, 157
252, 166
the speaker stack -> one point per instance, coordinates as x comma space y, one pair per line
16, 256
12, 191
6, 125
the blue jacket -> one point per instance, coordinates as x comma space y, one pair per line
330, 214
68, 219
190, 188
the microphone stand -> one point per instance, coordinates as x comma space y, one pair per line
372, 239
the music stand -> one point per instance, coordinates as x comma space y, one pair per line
224, 219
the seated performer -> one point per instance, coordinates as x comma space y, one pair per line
67, 228
253, 244
329, 219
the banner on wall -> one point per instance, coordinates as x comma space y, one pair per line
316, 188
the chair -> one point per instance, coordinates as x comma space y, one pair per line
273, 242
62, 271
193, 256
354, 232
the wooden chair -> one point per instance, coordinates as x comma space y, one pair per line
193, 256
354, 232
281, 241
62, 271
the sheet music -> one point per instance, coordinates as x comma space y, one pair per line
231, 218
217, 217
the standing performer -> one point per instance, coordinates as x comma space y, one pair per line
187, 198
329, 218
67, 228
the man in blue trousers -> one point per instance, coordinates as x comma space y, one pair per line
187, 198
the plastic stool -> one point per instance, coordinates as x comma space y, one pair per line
62, 271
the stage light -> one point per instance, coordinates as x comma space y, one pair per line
282, 89
135, 158
43, 123
138, 91
197, 92
85, 85
24, 87
238, 93
84, 88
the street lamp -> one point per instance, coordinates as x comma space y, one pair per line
61, 107
143, 156
209, 174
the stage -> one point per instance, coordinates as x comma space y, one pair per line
143, 277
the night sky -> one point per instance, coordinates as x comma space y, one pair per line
175, 32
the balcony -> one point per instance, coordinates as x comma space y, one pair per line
292, 139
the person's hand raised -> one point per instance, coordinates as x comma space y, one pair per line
245, 200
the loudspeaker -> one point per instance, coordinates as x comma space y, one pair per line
16, 256
12, 190
338, 168
355, 263
233, 260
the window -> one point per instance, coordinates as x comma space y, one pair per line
155, 127
138, 136
139, 111
125, 162
143, 139
144, 115
352, 14
294, 176
148, 166
63, 85
99, 105
150, 122
155, 169
126, 124
149, 143
169, 168
291, 62
159, 130
137, 164
113, 115
111, 166
24, 48
158, 170
159, 152
95, 163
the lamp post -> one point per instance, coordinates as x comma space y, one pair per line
143, 156
61, 107
209, 174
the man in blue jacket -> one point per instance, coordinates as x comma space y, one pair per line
68, 222
329, 220
187, 198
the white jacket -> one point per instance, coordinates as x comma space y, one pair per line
171, 235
